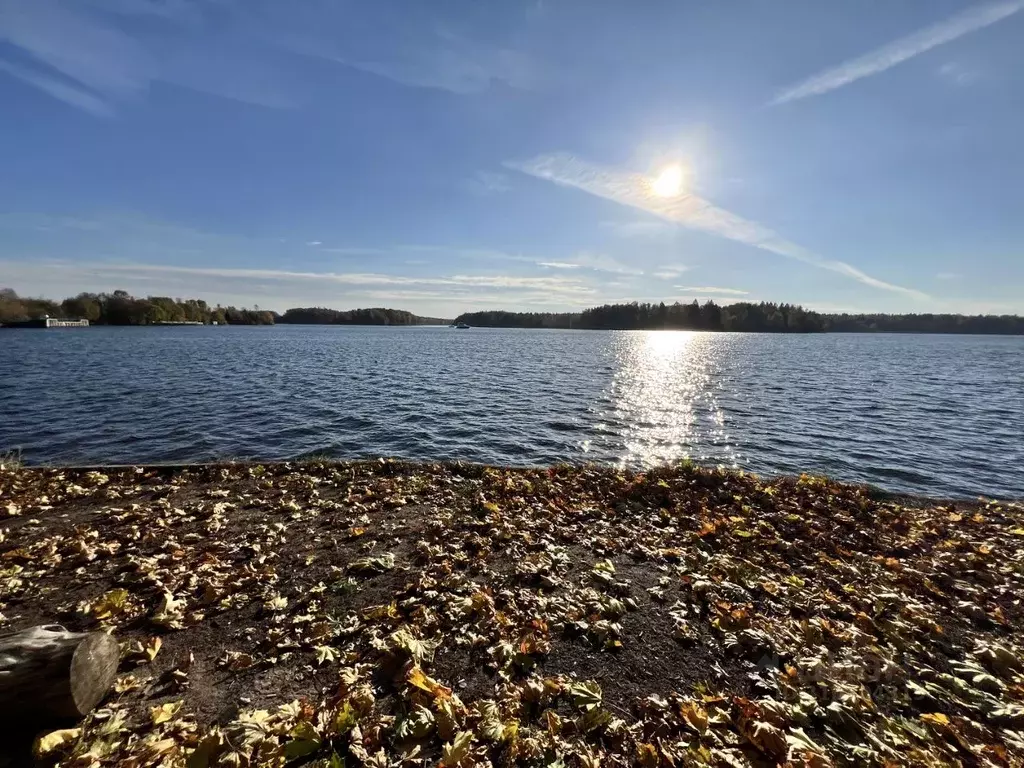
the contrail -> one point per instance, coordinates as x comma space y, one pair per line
900, 50
688, 210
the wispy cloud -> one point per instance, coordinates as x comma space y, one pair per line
69, 94
670, 271
559, 285
948, 276
900, 50
79, 44
409, 45
701, 289
86, 43
598, 262
279, 288
484, 183
957, 73
691, 211
314, 242
254, 52
557, 265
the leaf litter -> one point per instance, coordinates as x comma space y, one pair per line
393, 614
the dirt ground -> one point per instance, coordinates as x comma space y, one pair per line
385, 614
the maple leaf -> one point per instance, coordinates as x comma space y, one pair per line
325, 653
457, 750
584, 695
163, 713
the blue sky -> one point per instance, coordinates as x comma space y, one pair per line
449, 156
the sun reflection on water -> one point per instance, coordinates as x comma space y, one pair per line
663, 399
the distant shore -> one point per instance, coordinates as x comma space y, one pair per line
120, 308
335, 611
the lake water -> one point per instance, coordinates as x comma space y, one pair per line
939, 415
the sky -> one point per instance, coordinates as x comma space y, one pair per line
543, 155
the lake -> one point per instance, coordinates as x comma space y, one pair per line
937, 415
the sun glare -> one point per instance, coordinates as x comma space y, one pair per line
668, 183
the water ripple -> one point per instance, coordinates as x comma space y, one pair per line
939, 415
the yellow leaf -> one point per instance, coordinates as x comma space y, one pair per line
695, 715
126, 683
457, 749
163, 713
420, 679
935, 718
55, 739
647, 756
153, 648
111, 603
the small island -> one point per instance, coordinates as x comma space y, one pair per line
386, 613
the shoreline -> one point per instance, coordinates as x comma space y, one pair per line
14, 461
467, 613
829, 332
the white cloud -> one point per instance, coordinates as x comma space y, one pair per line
701, 289
957, 73
314, 242
69, 94
691, 211
78, 44
598, 262
670, 271
900, 50
113, 271
515, 281
249, 52
279, 289
449, 69
409, 45
948, 276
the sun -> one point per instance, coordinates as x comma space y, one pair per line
668, 183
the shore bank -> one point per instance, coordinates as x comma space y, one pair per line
384, 613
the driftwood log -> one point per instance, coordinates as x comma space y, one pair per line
49, 674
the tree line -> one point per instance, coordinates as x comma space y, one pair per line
762, 317
927, 323
372, 316
121, 308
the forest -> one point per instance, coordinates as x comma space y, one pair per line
763, 317
120, 308
373, 316
983, 324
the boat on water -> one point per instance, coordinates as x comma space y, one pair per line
462, 326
